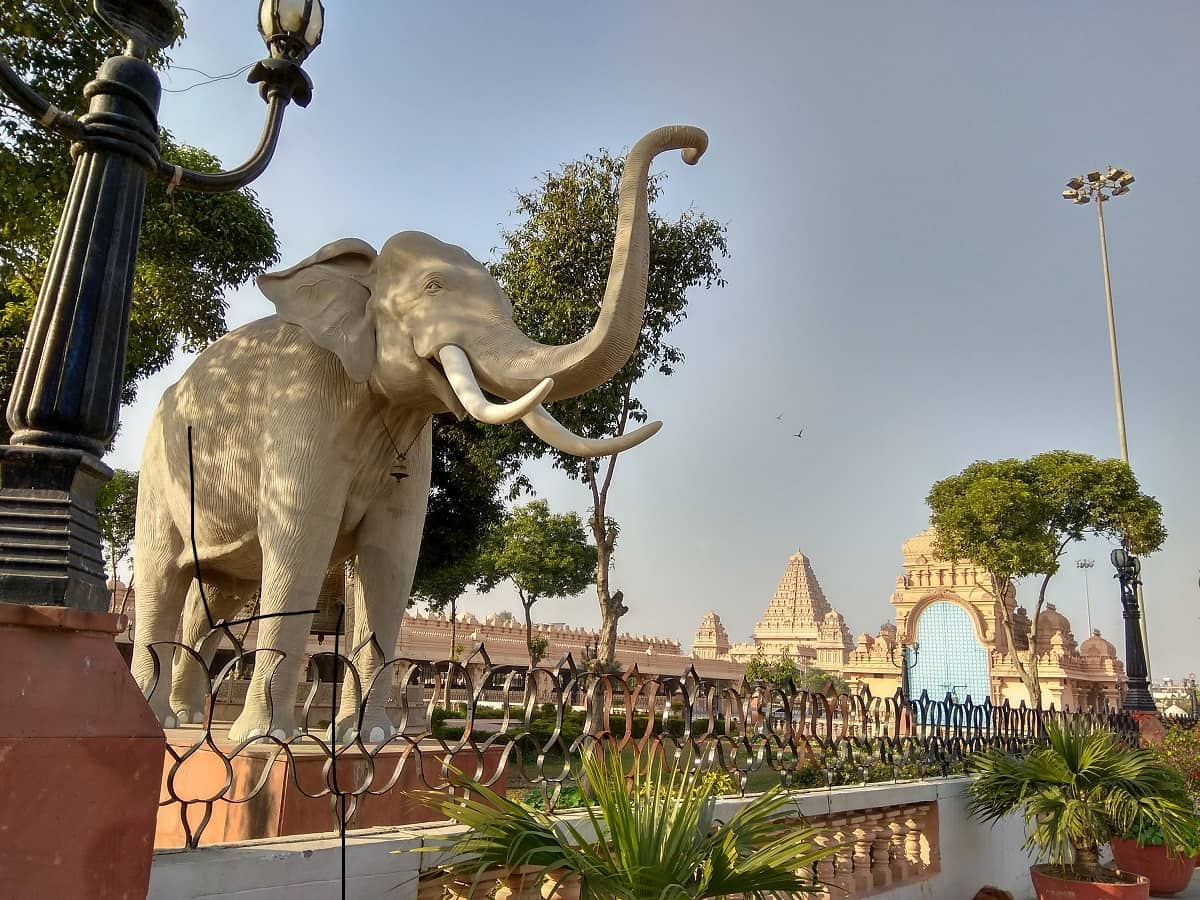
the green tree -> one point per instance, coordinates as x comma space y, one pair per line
194, 247
818, 681
775, 671
116, 513
542, 555
554, 265
1016, 518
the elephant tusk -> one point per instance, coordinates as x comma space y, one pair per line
462, 379
553, 433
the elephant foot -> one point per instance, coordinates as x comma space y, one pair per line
187, 716
188, 712
374, 729
167, 717
255, 724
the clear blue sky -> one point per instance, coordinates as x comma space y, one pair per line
905, 284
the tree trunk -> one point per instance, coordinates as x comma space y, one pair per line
1026, 665
527, 605
1087, 861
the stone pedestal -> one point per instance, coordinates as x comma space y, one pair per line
49, 540
80, 759
270, 795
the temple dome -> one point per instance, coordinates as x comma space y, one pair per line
920, 545
1050, 623
1098, 646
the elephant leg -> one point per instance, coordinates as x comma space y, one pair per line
296, 547
387, 543
158, 601
191, 686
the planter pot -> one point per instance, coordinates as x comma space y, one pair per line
1168, 874
1049, 886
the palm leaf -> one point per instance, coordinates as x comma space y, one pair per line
652, 835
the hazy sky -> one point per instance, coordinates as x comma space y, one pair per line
906, 284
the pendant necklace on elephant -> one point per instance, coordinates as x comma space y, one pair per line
399, 472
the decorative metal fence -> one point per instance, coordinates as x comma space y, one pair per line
522, 730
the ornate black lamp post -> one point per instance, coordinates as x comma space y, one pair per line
66, 395
905, 665
1137, 696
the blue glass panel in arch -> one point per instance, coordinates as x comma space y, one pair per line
951, 659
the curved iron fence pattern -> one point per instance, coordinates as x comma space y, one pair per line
525, 729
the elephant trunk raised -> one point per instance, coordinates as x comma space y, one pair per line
513, 364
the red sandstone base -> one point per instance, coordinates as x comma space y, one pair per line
80, 757
283, 805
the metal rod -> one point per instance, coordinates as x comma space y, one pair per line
35, 105
214, 182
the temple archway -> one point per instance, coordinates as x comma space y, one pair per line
951, 659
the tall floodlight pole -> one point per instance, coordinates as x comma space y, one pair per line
1102, 187
1084, 565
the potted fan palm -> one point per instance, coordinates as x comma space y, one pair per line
1168, 865
1076, 792
1144, 848
650, 835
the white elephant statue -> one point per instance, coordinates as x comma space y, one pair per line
297, 419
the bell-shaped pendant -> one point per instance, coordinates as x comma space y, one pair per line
398, 471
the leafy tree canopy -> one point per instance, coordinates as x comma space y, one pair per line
818, 681
1015, 518
194, 247
542, 554
775, 671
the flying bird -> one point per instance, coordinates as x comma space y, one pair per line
779, 418
799, 433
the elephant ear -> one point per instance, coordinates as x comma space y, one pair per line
327, 296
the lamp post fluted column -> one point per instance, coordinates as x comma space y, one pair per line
64, 405
1137, 675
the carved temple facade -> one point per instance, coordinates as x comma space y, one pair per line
947, 638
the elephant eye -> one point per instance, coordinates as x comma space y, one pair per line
433, 286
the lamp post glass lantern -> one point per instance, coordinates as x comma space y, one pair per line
65, 400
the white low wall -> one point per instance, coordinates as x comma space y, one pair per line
971, 855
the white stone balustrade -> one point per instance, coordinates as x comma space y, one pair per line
903, 840
878, 850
